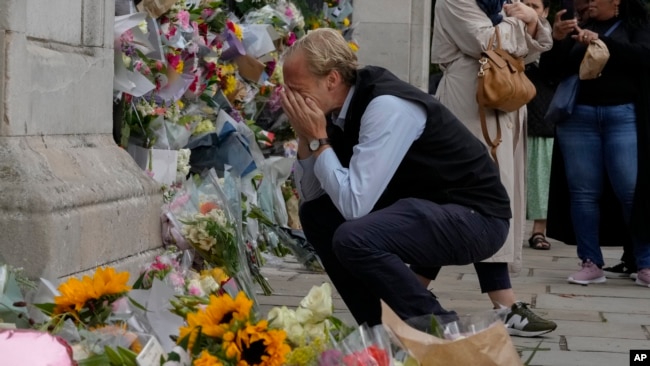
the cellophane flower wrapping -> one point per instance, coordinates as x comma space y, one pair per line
366, 346
208, 224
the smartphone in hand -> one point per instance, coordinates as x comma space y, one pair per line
570, 10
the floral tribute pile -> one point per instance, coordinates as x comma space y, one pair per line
197, 87
172, 315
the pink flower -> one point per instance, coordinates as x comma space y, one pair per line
184, 19
288, 12
207, 13
291, 39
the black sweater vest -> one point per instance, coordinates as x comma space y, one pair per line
447, 164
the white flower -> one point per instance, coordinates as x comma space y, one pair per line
319, 301
209, 285
284, 318
305, 316
278, 317
315, 330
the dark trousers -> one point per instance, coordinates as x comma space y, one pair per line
365, 258
492, 276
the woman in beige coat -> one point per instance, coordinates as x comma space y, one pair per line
462, 30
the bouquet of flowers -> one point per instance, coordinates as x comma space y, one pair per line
226, 332
311, 328
91, 314
88, 301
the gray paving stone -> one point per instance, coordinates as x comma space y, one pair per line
615, 289
640, 319
604, 304
577, 315
602, 329
565, 358
609, 344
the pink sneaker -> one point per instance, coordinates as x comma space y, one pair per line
590, 273
643, 277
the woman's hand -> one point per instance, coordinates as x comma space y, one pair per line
584, 36
307, 120
521, 11
562, 28
524, 13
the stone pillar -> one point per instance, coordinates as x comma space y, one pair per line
395, 35
70, 198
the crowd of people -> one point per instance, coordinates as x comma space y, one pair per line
395, 183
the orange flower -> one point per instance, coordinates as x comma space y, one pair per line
75, 293
206, 359
217, 317
206, 207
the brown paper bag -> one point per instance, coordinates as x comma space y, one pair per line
156, 8
249, 68
489, 347
594, 61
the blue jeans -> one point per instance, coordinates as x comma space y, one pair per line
597, 143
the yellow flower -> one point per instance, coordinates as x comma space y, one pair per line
261, 346
229, 85
179, 67
217, 273
238, 31
346, 22
216, 318
353, 46
75, 293
206, 359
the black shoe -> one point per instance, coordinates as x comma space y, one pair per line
620, 270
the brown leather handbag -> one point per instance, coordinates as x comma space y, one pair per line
502, 86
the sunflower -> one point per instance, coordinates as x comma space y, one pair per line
76, 293
261, 346
206, 359
217, 317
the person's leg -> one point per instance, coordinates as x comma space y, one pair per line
320, 219
620, 150
425, 274
538, 173
579, 139
419, 232
494, 280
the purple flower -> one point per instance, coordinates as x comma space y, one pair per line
330, 357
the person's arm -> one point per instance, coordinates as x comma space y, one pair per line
466, 26
388, 128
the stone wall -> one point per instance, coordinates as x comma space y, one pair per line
70, 198
395, 35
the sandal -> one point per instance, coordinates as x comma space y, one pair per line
538, 241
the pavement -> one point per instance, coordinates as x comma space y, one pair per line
597, 324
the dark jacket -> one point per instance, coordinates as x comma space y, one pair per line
630, 58
446, 164
536, 124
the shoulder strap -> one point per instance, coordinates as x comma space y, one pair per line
612, 28
493, 144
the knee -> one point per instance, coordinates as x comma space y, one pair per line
345, 242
